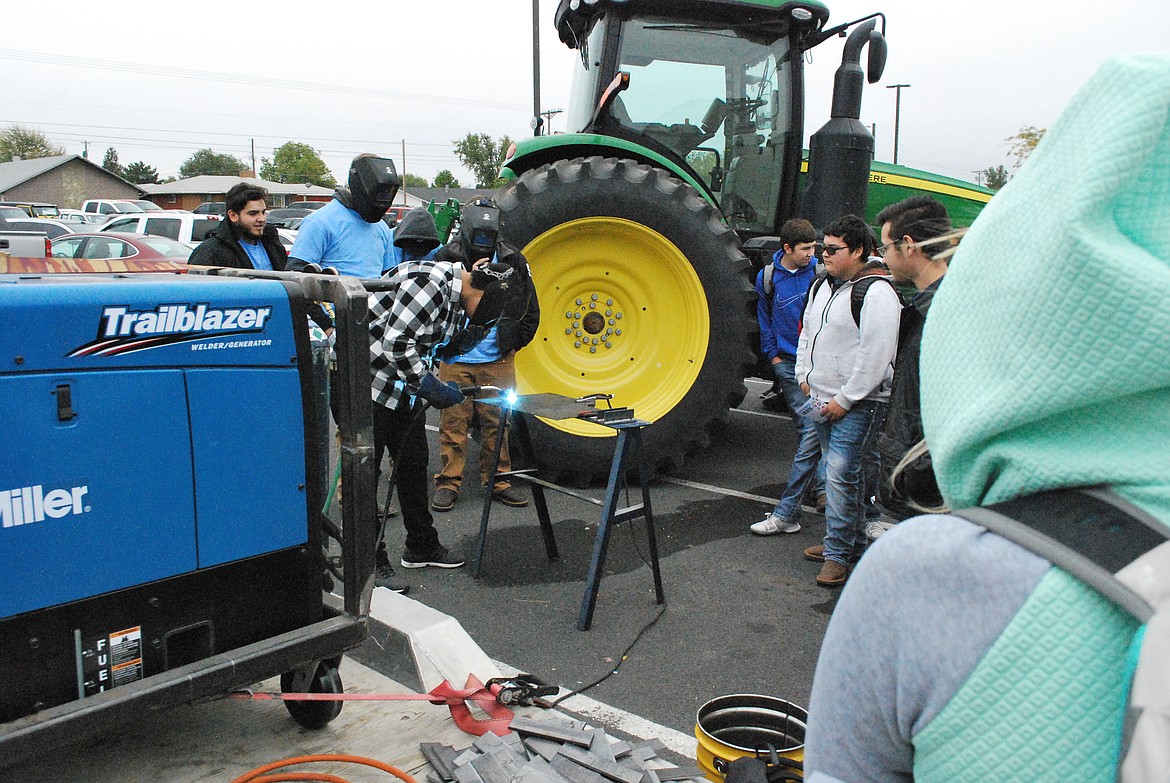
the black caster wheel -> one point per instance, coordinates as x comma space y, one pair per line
324, 679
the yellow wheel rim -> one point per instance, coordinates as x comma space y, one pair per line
622, 312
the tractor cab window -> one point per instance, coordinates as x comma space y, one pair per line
717, 99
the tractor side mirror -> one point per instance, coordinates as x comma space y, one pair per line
876, 65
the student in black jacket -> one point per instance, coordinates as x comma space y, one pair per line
244, 240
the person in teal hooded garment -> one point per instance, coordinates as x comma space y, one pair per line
953, 654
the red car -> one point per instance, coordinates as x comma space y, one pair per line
120, 244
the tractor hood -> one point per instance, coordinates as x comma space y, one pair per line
771, 18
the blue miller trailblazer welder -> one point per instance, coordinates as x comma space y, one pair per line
160, 524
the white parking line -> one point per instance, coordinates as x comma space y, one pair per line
720, 490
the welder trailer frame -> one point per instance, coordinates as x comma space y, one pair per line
296, 654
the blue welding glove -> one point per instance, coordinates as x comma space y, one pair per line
440, 395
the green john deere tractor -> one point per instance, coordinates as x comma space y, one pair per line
688, 155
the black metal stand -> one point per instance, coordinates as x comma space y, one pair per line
629, 439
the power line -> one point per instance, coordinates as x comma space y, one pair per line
249, 80
285, 137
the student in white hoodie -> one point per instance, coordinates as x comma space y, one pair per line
845, 364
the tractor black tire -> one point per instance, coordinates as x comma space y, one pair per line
672, 226
313, 714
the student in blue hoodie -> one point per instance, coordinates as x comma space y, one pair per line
780, 299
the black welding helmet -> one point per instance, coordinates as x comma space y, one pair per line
373, 184
479, 230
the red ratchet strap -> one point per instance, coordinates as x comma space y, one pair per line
444, 693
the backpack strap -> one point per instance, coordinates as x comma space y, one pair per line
1091, 533
860, 289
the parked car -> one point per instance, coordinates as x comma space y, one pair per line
33, 208
22, 244
51, 228
121, 245
12, 213
146, 206
287, 237
309, 205
397, 212
287, 217
212, 208
180, 226
82, 221
104, 206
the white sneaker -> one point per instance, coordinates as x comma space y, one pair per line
876, 529
773, 524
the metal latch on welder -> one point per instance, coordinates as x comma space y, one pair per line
65, 410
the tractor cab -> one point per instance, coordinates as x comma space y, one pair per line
714, 88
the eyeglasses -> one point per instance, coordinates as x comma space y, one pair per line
828, 250
881, 251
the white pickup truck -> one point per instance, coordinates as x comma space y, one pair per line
23, 244
180, 226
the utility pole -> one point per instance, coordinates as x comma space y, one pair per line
404, 171
254, 172
85, 150
548, 115
897, 115
978, 176
536, 63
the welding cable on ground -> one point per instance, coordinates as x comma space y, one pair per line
621, 660
260, 774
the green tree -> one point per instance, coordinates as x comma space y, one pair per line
110, 162
445, 179
140, 174
1024, 142
995, 177
414, 181
17, 141
478, 152
296, 163
208, 161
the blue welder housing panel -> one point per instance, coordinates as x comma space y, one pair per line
71, 323
248, 441
96, 495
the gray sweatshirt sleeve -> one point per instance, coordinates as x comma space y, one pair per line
923, 607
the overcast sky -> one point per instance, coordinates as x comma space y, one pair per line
159, 80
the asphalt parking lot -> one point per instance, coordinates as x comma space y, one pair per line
742, 613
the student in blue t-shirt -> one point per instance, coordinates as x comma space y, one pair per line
244, 240
348, 234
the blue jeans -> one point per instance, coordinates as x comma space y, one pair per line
848, 445
807, 464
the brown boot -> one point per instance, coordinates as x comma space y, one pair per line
832, 574
815, 553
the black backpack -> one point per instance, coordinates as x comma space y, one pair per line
856, 296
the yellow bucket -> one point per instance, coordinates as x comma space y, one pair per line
747, 724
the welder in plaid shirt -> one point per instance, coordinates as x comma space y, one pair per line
433, 310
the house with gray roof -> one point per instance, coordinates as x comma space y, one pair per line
64, 180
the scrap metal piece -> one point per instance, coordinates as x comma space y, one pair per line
573, 771
550, 730
678, 773
441, 758
543, 748
602, 766
495, 768
600, 745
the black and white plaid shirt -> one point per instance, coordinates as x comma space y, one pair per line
408, 324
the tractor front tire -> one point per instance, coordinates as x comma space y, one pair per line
644, 294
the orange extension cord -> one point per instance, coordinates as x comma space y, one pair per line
260, 774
